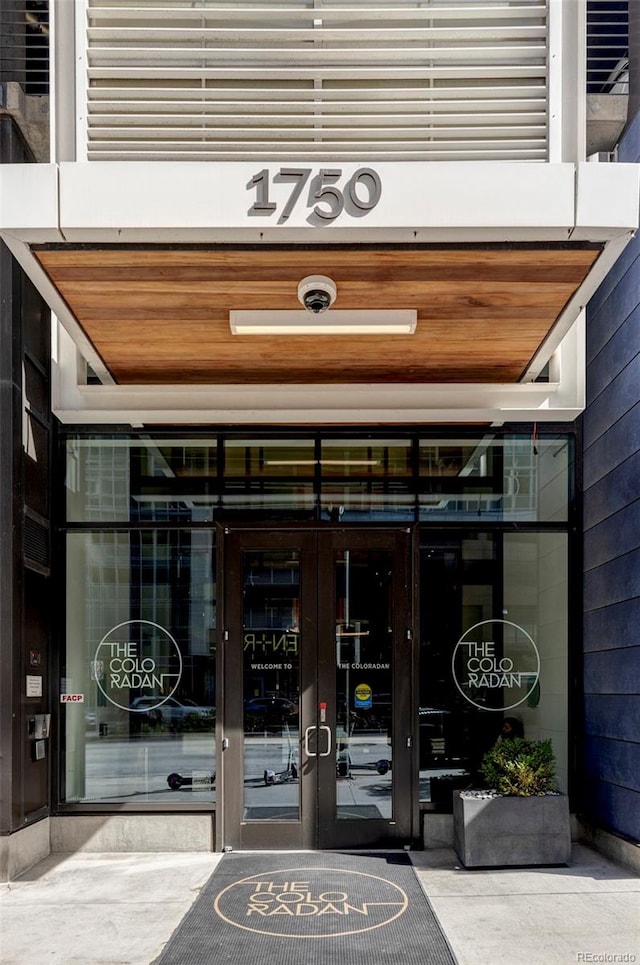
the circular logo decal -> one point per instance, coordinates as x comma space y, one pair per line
310, 903
138, 656
496, 665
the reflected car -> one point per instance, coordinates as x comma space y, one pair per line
170, 711
269, 711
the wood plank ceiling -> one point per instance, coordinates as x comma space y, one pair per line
161, 315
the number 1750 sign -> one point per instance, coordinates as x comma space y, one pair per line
323, 192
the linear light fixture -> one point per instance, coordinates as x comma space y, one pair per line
333, 322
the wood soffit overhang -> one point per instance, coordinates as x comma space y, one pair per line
161, 314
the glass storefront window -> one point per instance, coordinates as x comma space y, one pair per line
363, 685
269, 499
150, 479
271, 662
493, 645
140, 651
260, 458
366, 457
370, 501
165, 479
141, 611
451, 458
496, 478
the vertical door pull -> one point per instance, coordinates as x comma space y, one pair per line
327, 730
307, 734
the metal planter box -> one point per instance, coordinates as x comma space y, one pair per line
501, 831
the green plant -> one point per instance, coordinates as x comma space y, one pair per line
520, 767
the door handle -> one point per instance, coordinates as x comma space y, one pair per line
327, 729
307, 735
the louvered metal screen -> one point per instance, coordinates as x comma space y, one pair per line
608, 46
24, 44
199, 79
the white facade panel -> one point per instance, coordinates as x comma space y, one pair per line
29, 201
129, 198
614, 182
173, 201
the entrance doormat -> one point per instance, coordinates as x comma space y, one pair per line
319, 908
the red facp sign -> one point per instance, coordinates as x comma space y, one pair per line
71, 698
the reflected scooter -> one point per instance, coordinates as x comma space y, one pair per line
176, 781
345, 765
383, 766
290, 772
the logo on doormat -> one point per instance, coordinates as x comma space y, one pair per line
311, 903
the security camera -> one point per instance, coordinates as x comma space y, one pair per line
317, 293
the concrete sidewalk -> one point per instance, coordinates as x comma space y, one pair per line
110, 909
535, 916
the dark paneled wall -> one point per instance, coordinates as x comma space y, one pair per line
25, 602
612, 541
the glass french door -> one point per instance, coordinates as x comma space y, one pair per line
317, 744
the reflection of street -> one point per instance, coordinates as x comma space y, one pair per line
361, 790
364, 787
137, 771
271, 769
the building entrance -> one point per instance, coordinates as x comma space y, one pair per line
317, 749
